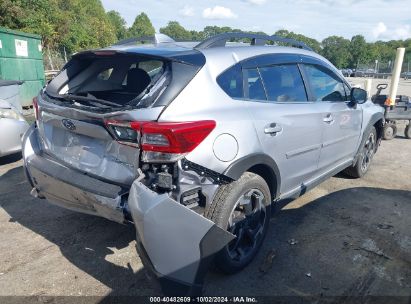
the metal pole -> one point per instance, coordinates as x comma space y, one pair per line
51, 62
367, 86
65, 54
395, 79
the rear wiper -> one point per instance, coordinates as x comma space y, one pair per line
71, 97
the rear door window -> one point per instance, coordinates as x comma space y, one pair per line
283, 83
254, 85
325, 85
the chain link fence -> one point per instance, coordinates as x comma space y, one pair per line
380, 69
54, 60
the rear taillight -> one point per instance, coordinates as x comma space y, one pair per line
36, 108
162, 141
175, 137
124, 132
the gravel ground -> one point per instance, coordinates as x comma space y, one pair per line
346, 237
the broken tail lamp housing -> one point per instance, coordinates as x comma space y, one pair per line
161, 141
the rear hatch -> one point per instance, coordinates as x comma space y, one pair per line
87, 113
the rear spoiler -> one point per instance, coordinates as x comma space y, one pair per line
186, 56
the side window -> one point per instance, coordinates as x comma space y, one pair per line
324, 85
283, 83
254, 85
105, 75
231, 81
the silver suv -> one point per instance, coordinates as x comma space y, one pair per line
195, 144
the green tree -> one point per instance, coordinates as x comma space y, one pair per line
358, 48
11, 14
176, 31
142, 27
78, 24
38, 17
118, 23
312, 43
73, 24
210, 30
337, 50
84, 25
197, 36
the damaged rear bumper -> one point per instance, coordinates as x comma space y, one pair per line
175, 243
67, 187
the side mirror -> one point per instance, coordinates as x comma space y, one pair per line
358, 96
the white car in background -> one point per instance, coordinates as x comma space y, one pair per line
12, 127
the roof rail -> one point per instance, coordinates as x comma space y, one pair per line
256, 39
156, 39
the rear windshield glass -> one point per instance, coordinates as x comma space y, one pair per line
113, 80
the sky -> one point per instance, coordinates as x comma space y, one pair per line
374, 19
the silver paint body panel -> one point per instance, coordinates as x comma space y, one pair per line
11, 130
306, 150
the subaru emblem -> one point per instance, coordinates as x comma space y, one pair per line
67, 123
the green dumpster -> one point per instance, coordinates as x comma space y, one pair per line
21, 58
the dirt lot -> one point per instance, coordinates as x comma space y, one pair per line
345, 238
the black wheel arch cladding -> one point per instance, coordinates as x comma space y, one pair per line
376, 121
258, 163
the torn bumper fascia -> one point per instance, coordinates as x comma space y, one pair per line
66, 187
176, 243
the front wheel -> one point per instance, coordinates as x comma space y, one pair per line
365, 156
243, 208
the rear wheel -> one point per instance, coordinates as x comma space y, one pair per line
366, 154
390, 131
408, 130
243, 208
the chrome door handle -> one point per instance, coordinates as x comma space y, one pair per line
273, 129
328, 119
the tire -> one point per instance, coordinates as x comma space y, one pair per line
390, 131
228, 213
366, 154
407, 131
